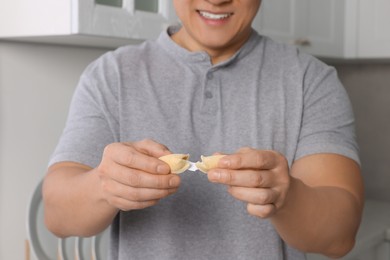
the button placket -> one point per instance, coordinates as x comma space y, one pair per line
210, 85
210, 88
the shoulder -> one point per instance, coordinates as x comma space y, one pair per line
109, 68
291, 62
125, 55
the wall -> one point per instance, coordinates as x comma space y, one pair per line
36, 84
37, 81
368, 85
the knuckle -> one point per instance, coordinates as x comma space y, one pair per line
110, 148
263, 198
259, 159
245, 149
256, 180
107, 149
161, 182
228, 176
146, 141
130, 158
236, 162
134, 179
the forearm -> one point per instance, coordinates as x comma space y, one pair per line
74, 205
319, 219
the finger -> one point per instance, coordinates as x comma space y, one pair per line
140, 179
127, 155
242, 178
126, 205
152, 148
145, 194
254, 195
115, 189
261, 211
248, 158
137, 178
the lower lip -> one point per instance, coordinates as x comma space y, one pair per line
215, 22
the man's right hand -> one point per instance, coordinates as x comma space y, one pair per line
132, 176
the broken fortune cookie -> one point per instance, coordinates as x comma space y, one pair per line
177, 162
208, 162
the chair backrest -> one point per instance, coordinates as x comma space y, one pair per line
46, 246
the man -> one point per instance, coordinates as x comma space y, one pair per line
213, 85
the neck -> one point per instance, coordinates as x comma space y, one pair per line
217, 54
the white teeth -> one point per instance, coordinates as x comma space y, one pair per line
214, 16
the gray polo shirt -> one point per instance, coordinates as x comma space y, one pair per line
267, 96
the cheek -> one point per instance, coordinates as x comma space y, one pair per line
182, 8
252, 9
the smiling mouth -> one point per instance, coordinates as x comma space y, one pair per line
213, 16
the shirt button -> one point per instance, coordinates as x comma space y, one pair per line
208, 94
210, 75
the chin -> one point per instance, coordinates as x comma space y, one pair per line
216, 43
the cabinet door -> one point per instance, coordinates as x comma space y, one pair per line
374, 36
324, 28
31, 18
314, 26
132, 19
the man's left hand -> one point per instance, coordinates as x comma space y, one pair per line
258, 177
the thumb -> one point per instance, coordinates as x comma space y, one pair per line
152, 148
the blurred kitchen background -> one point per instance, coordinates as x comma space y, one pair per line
45, 45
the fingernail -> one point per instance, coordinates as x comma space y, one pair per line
162, 169
224, 162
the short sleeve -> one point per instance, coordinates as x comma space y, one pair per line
92, 121
328, 124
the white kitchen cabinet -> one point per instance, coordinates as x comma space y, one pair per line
329, 28
106, 23
319, 27
374, 33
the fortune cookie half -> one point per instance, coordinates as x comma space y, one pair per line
177, 162
208, 162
